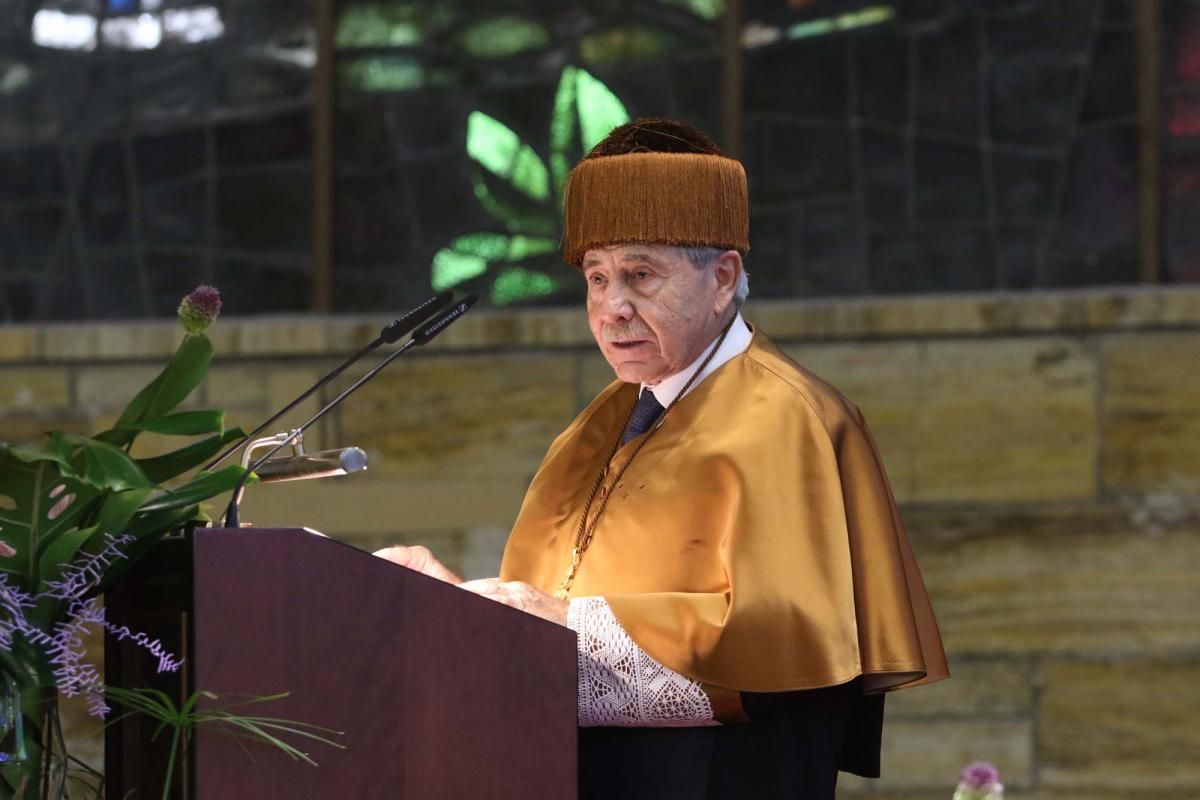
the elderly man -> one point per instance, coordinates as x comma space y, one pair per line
716, 525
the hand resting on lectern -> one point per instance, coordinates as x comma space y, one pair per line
516, 594
419, 558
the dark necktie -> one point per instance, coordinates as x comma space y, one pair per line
644, 413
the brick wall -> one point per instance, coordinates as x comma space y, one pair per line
1045, 447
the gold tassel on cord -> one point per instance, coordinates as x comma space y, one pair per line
684, 199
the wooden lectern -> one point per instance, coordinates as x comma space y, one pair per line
440, 693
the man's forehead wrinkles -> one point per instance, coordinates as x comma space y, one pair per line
640, 255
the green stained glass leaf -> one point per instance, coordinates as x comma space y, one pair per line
705, 9
382, 74
599, 109
864, 17
499, 150
469, 256
562, 127
614, 47
508, 214
516, 284
451, 268
504, 36
377, 25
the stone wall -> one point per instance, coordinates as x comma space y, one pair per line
1045, 447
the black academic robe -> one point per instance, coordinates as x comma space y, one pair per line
791, 749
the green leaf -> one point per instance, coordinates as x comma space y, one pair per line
148, 529
53, 448
504, 36
520, 284
499, 150
106, 466
509, 214
452, 267
183, 423
119, 508
59, 554
43, 502
562, 129
469, 256
202, 487
177, 380
599, 109
170, 465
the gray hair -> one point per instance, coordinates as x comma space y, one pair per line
703, 257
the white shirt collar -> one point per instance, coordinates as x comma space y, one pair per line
736, 341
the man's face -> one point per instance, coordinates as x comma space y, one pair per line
651, 310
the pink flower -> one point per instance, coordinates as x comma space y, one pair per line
199, 308
979, 775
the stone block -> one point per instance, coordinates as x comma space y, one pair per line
1142, 307
111, 388
238, 386
883, 379
1005, 419
1151, 422
977, 689
268, 336
930, 754
19, 342
368, 504
24, 428
851, 787
1086, 580
461, 416
70, 341
1120, 727
33, 388
346, 335
594, 374
558, 327
483, 550
551, 327
156, 340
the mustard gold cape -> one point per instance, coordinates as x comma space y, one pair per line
754, 542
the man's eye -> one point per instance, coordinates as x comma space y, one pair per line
595, 280
641, 275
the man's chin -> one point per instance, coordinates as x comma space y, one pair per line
635, 371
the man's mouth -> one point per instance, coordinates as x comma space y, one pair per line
628, 345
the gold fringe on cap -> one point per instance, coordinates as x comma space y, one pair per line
682, 199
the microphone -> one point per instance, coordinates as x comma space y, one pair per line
390, 333
323, 464
422, 337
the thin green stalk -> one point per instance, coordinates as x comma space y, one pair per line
166, 795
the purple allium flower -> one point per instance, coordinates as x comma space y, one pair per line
199, 308
979, 775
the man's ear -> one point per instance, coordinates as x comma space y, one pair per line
727, 269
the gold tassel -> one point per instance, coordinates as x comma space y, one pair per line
684, 199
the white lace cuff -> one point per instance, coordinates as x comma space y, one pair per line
620, 684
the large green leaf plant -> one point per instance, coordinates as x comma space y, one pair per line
64, 501
522, 192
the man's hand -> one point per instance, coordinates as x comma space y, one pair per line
418, 558
520, 596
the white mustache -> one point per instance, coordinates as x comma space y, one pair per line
625, 331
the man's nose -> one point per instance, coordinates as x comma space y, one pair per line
616, 305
